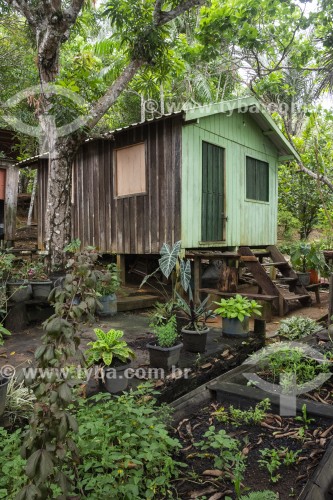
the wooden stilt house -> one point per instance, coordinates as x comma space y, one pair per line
207, 176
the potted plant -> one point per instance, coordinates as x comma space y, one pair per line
107, 284
165, 352
235, 313
307, 259
41, 286
114, 355
18, 287
195, 332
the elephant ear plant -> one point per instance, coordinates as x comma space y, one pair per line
48, 446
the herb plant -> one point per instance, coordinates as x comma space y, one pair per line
108, 347
237, 307
226, 452
166, 334
125, 448
239, 417
297, 327
272, 459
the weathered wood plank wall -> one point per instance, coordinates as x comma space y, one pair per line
137, 224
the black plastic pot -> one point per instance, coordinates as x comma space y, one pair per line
164, 357
195, 341
304, 278
41, 289
115, 379
4, 381
18, 291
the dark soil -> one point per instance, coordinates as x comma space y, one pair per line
274, 432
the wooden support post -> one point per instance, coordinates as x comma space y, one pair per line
197, 279
330, 301
228, 278
121, 264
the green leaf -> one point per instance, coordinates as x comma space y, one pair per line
169, 257
32, 463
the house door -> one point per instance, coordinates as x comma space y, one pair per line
212, 223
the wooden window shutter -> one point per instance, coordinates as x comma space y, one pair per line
130, 170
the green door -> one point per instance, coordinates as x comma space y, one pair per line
212, 223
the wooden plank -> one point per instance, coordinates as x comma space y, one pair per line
136, 302
254, 296
263, 279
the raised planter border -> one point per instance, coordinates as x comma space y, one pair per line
225, 387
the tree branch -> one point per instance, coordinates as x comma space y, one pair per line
165, 17
74, 10
23, 7
108, 99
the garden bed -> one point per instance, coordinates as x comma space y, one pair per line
205, 479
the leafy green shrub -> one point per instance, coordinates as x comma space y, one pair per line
294, 362
237, 307
166, 334
108, 347
12, 477
125, 448
297, 327
108, 281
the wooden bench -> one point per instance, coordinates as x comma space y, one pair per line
314, 288
268, 299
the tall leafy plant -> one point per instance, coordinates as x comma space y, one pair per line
49, 449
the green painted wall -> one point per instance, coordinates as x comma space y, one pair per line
249, 222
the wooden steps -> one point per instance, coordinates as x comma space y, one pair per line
133, 302
269, 286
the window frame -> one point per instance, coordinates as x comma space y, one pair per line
256, 200
115, 171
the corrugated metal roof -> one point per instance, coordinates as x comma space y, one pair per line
243, 104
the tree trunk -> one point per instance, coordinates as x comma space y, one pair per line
32, 201
58, 211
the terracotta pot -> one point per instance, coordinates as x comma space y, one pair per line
314, 277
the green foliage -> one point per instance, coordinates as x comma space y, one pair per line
166, 334
108, 347
143, 39
297, 327
237, 307
260, 495
73, 247
125, 448
108, 281
48, 446
162, 312
304, 419
226, 453
196, 314
293, 362
3, 331
272, 459
306, 256
239, 417
6, 265
12, 465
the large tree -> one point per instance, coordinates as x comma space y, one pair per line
143, 28
141, 39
